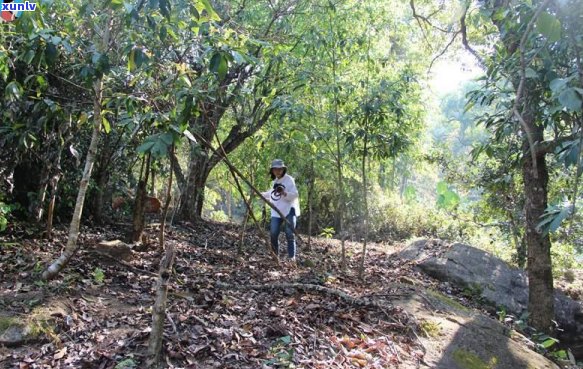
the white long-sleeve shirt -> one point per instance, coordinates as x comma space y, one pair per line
284, 203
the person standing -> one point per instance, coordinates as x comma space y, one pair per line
284, 195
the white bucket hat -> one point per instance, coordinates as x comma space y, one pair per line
278, 163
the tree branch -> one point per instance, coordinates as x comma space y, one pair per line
464, 33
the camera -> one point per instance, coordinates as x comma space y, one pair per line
278, 188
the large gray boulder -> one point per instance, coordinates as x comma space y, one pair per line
492, 279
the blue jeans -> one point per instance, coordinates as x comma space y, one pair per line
289, 233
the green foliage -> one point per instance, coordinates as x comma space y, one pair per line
98, 275
126, 364
5, 210
553, 216
446, 198
282, 355
327, 232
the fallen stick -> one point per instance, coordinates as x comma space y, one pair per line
363, 301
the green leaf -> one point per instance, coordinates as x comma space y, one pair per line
549, 342
239, 59
163, 33
146, 146
286, 340
131, 60
157, 144
209, 9
554, 216
558, 84
13, 91
219, 65
549, 26
105, 124
441, 187
530, 73
29, 56
570, 99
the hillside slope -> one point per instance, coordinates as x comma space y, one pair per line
239, 311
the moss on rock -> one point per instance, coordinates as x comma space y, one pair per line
467, 360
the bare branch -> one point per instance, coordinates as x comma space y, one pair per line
464, 33
443, 51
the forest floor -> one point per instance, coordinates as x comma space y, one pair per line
225, 309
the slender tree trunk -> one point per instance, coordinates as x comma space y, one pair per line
310, 204
340, 185
37, 207
101, 176
518, 241
71, 247
139, 203
153, 181
167, 203
54, 185
540, 276
101, 180
365, 217
159, 308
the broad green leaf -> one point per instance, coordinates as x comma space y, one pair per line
441, 187
570, 99
553, 216
237, 57
219, 65
146, 146
105, 124
530, 73
549, 26
13, 91
558, 84
131, 60
116, 4
29, 56
209, 9
549, 342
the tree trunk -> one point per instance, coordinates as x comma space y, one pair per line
138, 220
193, 195
101, 180
54, 185
177, 171
159, 308
365, 215
539, 267
37, 206
71, 246
310, 204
